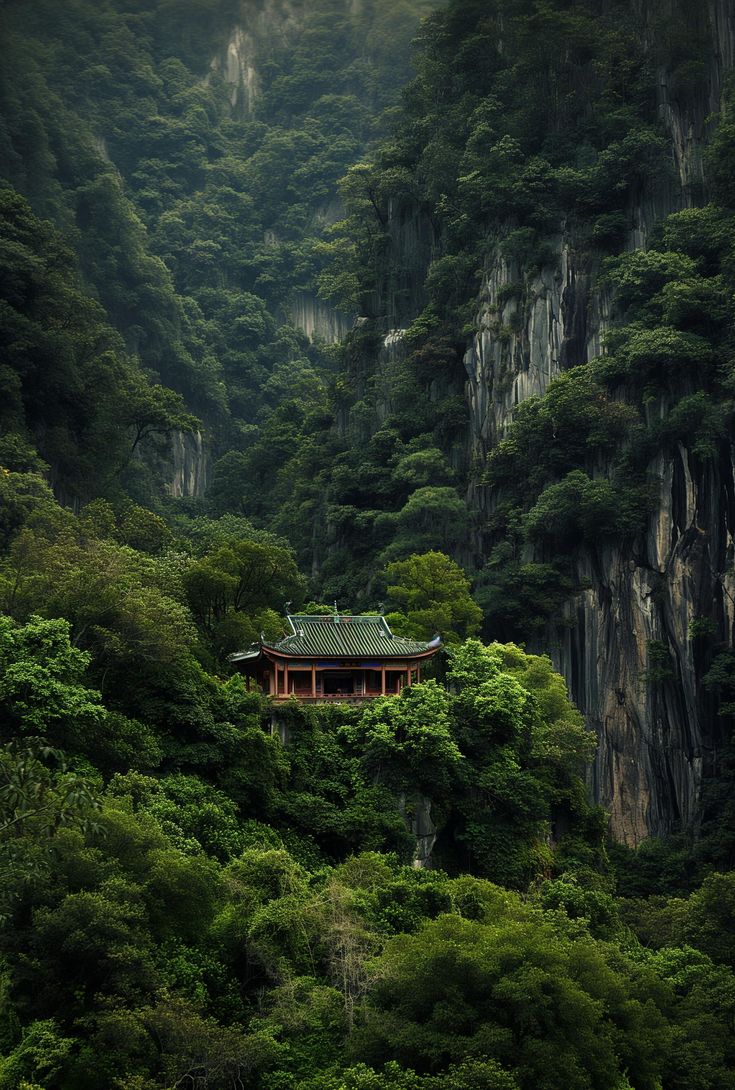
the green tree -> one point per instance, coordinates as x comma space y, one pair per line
555, 1014
433, 594
41, 680
238, 586
526, 748
406, 741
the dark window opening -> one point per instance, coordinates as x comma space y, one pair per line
338, 684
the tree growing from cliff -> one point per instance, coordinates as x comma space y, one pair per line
525, 749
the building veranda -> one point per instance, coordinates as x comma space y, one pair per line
335, 657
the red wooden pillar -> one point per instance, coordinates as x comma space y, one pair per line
285, 678
409, 675
313, 679
382, 679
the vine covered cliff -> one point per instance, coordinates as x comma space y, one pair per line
538, 156
629, 638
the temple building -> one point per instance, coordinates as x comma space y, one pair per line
334, 657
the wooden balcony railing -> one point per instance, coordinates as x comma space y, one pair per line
306, 694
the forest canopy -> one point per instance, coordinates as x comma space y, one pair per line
241, 263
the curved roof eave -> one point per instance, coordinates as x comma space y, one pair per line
399, 653
243, 656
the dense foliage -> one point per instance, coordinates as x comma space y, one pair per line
525, 121
195, 889
228, 909
196, 224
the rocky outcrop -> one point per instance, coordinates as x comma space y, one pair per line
415, 809
190, 467
237, 68
317, 319
530, 329
686, 111
626, 646
629, 649
260, 23
423, 828
411, 244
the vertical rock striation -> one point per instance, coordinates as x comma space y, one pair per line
625, 646
630, 656
190, 465
318, 320
259, 23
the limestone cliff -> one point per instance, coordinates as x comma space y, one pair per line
625, 645
317, 319
190, 465
259, 23
630, 651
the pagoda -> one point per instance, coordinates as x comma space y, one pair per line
335, 657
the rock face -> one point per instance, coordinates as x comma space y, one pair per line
627, 649
529, 332
423, 828
415, 809
190, 465
236, 65
630, 651
261, 26
259, 22
317, 319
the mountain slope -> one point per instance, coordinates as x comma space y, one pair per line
538, 146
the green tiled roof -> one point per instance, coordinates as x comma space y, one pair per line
339, 636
